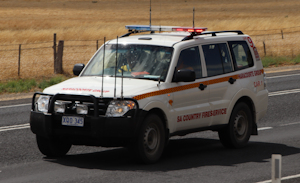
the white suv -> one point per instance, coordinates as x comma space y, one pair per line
139, 90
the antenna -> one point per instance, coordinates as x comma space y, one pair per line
194, 17
103, 68
150, 13
115, 96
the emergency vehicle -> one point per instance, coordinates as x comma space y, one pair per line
139, 90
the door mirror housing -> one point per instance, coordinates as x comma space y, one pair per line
184, 75
77, 69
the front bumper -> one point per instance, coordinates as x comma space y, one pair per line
98, 130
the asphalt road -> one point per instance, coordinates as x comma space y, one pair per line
198, 157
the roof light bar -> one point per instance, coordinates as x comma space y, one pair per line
165, 28
148, 28
190, 29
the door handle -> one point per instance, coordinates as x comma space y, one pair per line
202, 86
231, 80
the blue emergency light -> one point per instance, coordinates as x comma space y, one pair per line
165, 28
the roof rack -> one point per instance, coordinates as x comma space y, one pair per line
213, 33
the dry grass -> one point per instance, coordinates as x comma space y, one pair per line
34, 21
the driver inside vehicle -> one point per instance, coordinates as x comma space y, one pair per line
183, 63
127, 60
134, 61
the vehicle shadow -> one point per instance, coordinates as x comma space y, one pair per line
179, 154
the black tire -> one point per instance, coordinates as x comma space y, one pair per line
52, 147
238, 131
151, 140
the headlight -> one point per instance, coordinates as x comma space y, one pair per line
82, 109
118, 108
43, 103
59, 107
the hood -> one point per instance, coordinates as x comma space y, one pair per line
92, 86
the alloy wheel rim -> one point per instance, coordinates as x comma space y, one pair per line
151, 139
240, 125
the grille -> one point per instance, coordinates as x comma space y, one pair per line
71, 100
102, 107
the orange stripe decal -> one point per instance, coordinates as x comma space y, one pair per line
196, 85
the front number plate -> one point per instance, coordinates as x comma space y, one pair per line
72, 121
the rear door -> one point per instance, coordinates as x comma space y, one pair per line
221, 80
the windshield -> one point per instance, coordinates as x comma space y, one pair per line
136, 61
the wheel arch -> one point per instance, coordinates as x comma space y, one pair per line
163, 117
162, 110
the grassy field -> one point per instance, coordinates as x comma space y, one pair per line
35, 21
24, 21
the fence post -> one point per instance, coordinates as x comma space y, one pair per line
19, 61
265, 48
54, 49
97, 45
58, 62
282, 34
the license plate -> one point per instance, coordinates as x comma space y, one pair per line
72, 121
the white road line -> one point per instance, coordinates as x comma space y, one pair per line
290, 177
14, 127
296, 123
9, 106
284, 92
283, 178
282, 76
265, 128
22, 126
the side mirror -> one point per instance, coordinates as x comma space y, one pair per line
77, 69
184, 75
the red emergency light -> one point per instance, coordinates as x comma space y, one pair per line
190, 29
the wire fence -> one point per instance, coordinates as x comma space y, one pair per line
36, 60
274, 42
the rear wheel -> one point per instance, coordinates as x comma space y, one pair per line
52, 147
151, 140
238, 131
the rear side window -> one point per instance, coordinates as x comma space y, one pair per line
217, 59
241, 55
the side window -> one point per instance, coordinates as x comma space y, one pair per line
217, 59
241, 54
190, 59
227, 64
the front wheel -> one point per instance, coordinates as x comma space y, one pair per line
238, 131
151, 140
52, 147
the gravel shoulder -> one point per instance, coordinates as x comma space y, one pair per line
15, 96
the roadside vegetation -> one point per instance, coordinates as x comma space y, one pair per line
29, 85
280, 61
32, 85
